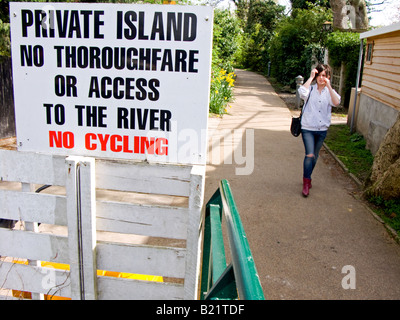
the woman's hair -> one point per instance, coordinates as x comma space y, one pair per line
323, 67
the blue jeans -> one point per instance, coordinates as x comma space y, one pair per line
313, 141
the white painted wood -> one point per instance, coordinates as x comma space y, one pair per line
32, 167
196, 196
128, 289
153, 221
141, 259
143, 177
81, 212
35, 246
30, 206
114, 175
113, 216
34, 227
35, 279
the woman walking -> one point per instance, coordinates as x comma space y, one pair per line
316, 118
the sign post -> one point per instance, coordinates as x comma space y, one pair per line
112, 81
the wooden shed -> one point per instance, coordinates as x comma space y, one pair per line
379, 100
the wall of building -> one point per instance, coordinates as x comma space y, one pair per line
379, 102
374, 119
381, 75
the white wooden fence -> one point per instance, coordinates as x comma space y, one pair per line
83, 215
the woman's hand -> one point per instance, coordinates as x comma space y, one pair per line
328, 82
334, 97
313, 73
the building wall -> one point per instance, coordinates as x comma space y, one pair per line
380, 90
374, 119
381, 75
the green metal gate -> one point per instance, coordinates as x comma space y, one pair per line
238, 280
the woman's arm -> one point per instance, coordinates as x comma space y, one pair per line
334, 96
310, 79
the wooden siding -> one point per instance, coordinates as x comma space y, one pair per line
381, 77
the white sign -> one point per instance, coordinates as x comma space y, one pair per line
123, 81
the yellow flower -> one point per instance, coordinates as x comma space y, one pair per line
216, 91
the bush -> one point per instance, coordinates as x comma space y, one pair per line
225, 35
289, 57
260, 21
221, 90
5, 46
344, 48
225, 44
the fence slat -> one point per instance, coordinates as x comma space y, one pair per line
32, 167
141, 259
127, 289
35, 279
114, 175
196, 196
34, 207
81, 212
154, 178
153, 221
35, 246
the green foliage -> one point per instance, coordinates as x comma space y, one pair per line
221, 90
351, 150
259, 19
388, 210
305, 4
226, 33
344, 48
293, 35
226, 40
5, 46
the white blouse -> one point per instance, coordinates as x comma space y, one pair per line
317, 113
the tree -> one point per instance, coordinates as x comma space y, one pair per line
259, 20
288, 48
349, 14
225, 35
305, 4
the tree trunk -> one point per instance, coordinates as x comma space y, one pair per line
349, 15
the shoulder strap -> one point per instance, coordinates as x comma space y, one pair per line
306, 101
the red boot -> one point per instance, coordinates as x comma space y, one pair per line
306, 187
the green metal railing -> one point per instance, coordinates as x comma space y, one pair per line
238, 280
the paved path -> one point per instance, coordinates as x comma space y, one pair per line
300, 245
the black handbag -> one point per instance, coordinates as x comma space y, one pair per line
295, 126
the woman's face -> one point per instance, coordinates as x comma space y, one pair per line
321, 76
